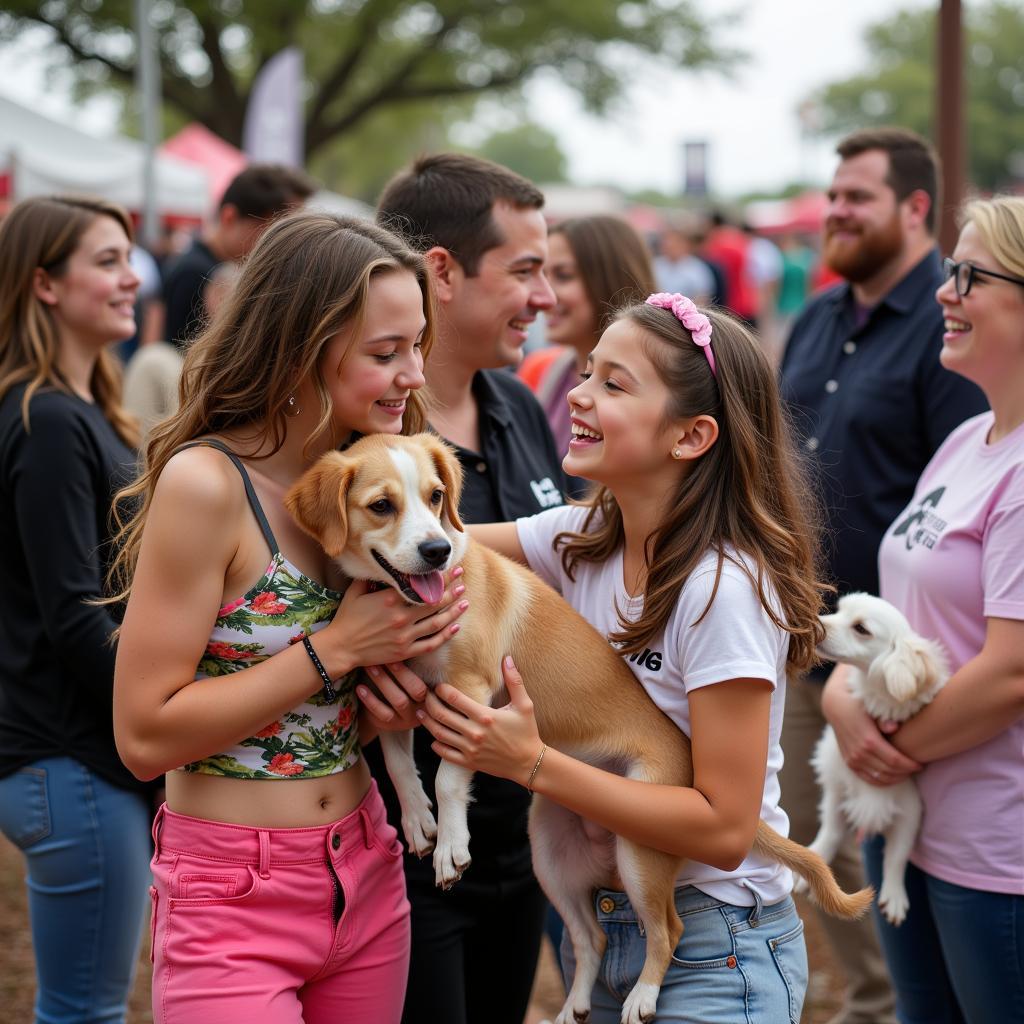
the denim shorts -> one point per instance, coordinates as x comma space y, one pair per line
733, 965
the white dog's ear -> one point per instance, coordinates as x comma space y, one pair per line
900, 669
449, 469
318, 502
934, 667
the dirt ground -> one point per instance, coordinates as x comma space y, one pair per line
17, 967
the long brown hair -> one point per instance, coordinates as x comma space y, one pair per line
306, 279
43, 233
748, 492
613, 261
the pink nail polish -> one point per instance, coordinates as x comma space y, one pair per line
463, 605
453, 629
460, 589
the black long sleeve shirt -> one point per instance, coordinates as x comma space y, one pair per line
57, 481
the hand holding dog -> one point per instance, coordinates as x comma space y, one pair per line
499, 741
400, 694
861, 739
379, 628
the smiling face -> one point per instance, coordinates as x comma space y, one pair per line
489, 313
371, 367
864, 229
984, 338
572, 320
92, 299
619, 426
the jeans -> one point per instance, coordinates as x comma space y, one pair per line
958, 958
733, 965
87, 848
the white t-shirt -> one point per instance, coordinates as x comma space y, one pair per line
736, 639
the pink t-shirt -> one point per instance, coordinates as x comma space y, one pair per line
952, 559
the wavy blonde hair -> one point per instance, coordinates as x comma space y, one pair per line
42, 234
747, 492
306, 279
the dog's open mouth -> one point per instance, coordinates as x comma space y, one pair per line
420, 588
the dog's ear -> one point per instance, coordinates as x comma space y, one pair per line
908, 669
449, 469
318, 501
934, 666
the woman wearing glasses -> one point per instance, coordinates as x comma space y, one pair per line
952, 562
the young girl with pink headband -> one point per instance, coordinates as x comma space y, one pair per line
696, 558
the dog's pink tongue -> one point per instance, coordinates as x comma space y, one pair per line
430, 586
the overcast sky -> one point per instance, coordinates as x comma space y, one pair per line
749, 120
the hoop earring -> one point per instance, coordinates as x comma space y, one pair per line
292, 409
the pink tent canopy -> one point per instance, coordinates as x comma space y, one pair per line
197, 144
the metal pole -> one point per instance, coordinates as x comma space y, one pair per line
147, 82
950, 128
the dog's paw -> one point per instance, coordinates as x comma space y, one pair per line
450, 861
420, 831
640, 1004
894, 903
570, 1014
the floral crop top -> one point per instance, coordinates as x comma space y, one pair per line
315, 739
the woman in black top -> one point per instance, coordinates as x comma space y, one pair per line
66, 446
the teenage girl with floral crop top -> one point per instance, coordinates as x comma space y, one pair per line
236, 660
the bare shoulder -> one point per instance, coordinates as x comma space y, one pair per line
198, 505
202, 481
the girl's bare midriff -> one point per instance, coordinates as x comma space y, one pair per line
268, 803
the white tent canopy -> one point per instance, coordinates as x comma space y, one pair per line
46, 157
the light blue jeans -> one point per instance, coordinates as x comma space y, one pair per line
87, 848
733, 965
958, 957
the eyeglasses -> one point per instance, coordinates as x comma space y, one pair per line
963, 275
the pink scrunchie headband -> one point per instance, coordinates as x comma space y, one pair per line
687, 313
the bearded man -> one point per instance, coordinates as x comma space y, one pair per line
871, 403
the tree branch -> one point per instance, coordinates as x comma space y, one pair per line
328, 90
440, 90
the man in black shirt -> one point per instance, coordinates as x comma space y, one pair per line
871, 402
474, 949
251, 201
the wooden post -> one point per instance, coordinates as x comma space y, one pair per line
950, 131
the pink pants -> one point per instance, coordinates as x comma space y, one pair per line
280, 926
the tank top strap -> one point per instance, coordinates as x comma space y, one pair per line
254, 501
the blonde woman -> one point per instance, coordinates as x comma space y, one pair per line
951, 561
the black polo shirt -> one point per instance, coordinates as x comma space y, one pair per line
516, 473
871, 404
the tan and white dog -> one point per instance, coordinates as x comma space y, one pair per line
894, 674
387, 510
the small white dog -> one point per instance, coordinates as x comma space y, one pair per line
895, 673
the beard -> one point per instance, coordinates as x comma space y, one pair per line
861, 258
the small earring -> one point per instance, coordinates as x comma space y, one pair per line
676, 453
293, 407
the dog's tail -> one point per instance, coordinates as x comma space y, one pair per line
823, 887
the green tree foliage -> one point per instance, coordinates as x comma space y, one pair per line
364, 57
899, 87
528, 149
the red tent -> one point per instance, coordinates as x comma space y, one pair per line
198, 145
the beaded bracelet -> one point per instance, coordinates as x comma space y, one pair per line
330, 694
